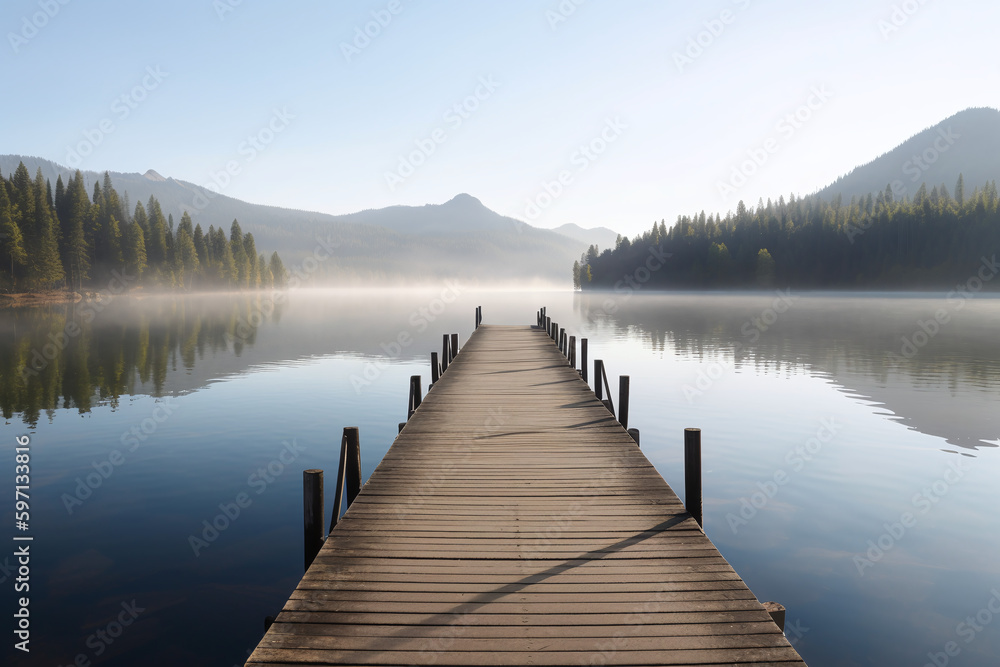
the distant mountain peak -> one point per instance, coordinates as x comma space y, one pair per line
965, 143
153, 176
465, 200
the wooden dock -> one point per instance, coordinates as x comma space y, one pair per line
515, 522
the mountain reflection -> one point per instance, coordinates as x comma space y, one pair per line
933, 362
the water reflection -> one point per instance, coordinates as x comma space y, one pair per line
932, 362
76, 356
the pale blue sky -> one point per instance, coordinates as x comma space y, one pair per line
675, 133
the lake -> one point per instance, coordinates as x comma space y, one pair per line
850, 447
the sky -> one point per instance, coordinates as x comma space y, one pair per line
594, 112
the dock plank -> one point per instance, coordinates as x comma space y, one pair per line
514, 522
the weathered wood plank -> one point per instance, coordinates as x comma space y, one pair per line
514, 522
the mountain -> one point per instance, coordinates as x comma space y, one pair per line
602, 236
967, 143
460, 238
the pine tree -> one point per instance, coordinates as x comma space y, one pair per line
135, 249
11, 239
187, 257
278, 273
266, 279
576, 275
156, 235
200, 246
76, 258
765, 268
960, 191
239, 255
46, 264
250, 248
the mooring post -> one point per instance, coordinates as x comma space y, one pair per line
623, 400
583, 358
401, 425
352, 483
435, 368
312, 508
598, 385
454, 346
548, 325
692, 472
338, 498
445, 344
634, 432
777, 613
415, 395
572, 351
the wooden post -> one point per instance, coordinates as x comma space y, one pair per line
312, 507
598, 385
352, 480
445, 345
583, 358
634, 432
777, 613
454, 346
623, 381
607, 404
338, 498
401, 425
562, 340
548, 325
268, 622
435, 369
572, 351
415, 395
692, 472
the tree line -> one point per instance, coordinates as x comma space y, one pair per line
937, 239
67, 239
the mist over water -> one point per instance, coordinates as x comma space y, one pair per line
859, 401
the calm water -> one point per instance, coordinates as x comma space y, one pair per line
849, 475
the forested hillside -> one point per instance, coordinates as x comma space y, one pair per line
63, 237
937, 239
